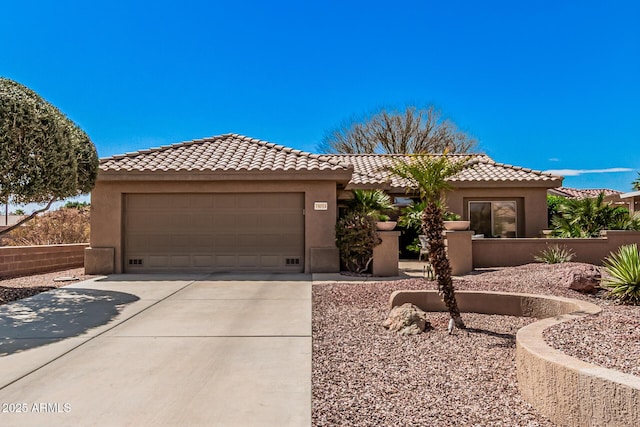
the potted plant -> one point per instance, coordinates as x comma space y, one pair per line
375, 204
453, 222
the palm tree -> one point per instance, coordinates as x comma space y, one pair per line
636, 184
374, 203
587, 217
429, 175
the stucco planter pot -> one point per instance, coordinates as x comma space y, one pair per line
456, 225
386, 225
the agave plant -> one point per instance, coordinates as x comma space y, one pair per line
555, 254
623, 274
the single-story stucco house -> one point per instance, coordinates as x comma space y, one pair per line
233, 203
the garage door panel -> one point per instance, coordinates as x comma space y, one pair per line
246, 220
214, 232
225, 261
157, 261
180, 261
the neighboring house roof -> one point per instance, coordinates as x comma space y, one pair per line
631, 194
237, 154
229, 152
588, 193
370, 169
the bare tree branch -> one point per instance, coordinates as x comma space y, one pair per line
30, 217
412, 131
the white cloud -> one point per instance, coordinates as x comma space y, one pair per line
576, 172
554, 159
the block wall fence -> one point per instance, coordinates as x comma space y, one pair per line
25, 260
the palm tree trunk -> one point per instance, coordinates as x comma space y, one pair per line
433, 227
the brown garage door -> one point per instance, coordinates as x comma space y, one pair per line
214, 232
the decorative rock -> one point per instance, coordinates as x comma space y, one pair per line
407, 319
583, 278
65, 279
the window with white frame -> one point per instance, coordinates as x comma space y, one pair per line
494, 218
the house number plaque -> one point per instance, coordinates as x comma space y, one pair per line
320, 206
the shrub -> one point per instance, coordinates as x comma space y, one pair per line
588, 217
623, 274
374, 203
355, 238
57, 227
555, 254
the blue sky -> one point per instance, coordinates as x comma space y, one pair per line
549, 85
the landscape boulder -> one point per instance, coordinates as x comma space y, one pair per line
407, 319
583, 278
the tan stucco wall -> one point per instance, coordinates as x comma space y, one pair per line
532, 210
510, 252
107, 196
386, 254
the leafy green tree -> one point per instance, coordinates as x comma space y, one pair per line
429, 176
77, 205
44, 156
636, 184
412, 131
552, 206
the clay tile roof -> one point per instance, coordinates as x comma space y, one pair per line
229, 152
369, 169
577, 193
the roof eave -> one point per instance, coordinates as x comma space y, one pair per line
340, 176
464, 184
629, 195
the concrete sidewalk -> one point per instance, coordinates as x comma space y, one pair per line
141, 350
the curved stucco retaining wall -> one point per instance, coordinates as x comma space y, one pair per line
567, 390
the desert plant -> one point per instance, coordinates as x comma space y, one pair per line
451, 216
622, 276
555, 254
374, 203
355, 238
553, 202
429, 175
626, 221
411, 219
56, 227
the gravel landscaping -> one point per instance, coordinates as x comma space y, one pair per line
15, 288
365, 375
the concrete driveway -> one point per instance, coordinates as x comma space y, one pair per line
141, 350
